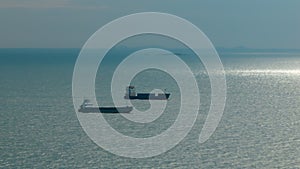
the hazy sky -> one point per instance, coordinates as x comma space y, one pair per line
228, 23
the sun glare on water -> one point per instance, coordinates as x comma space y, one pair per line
266, 71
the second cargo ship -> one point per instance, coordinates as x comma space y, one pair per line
131, 94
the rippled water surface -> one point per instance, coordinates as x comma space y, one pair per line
259, 128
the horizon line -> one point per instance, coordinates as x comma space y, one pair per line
220, 48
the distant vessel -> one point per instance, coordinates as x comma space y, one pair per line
131, 94
87, 107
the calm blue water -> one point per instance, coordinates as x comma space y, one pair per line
259, 129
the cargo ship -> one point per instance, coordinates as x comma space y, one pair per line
131, 94
87, 107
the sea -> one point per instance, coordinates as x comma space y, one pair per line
260, 126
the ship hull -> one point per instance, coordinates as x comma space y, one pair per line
126, 109
148, 96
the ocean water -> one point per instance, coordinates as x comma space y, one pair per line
259, 128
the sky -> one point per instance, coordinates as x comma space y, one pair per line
227, 23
